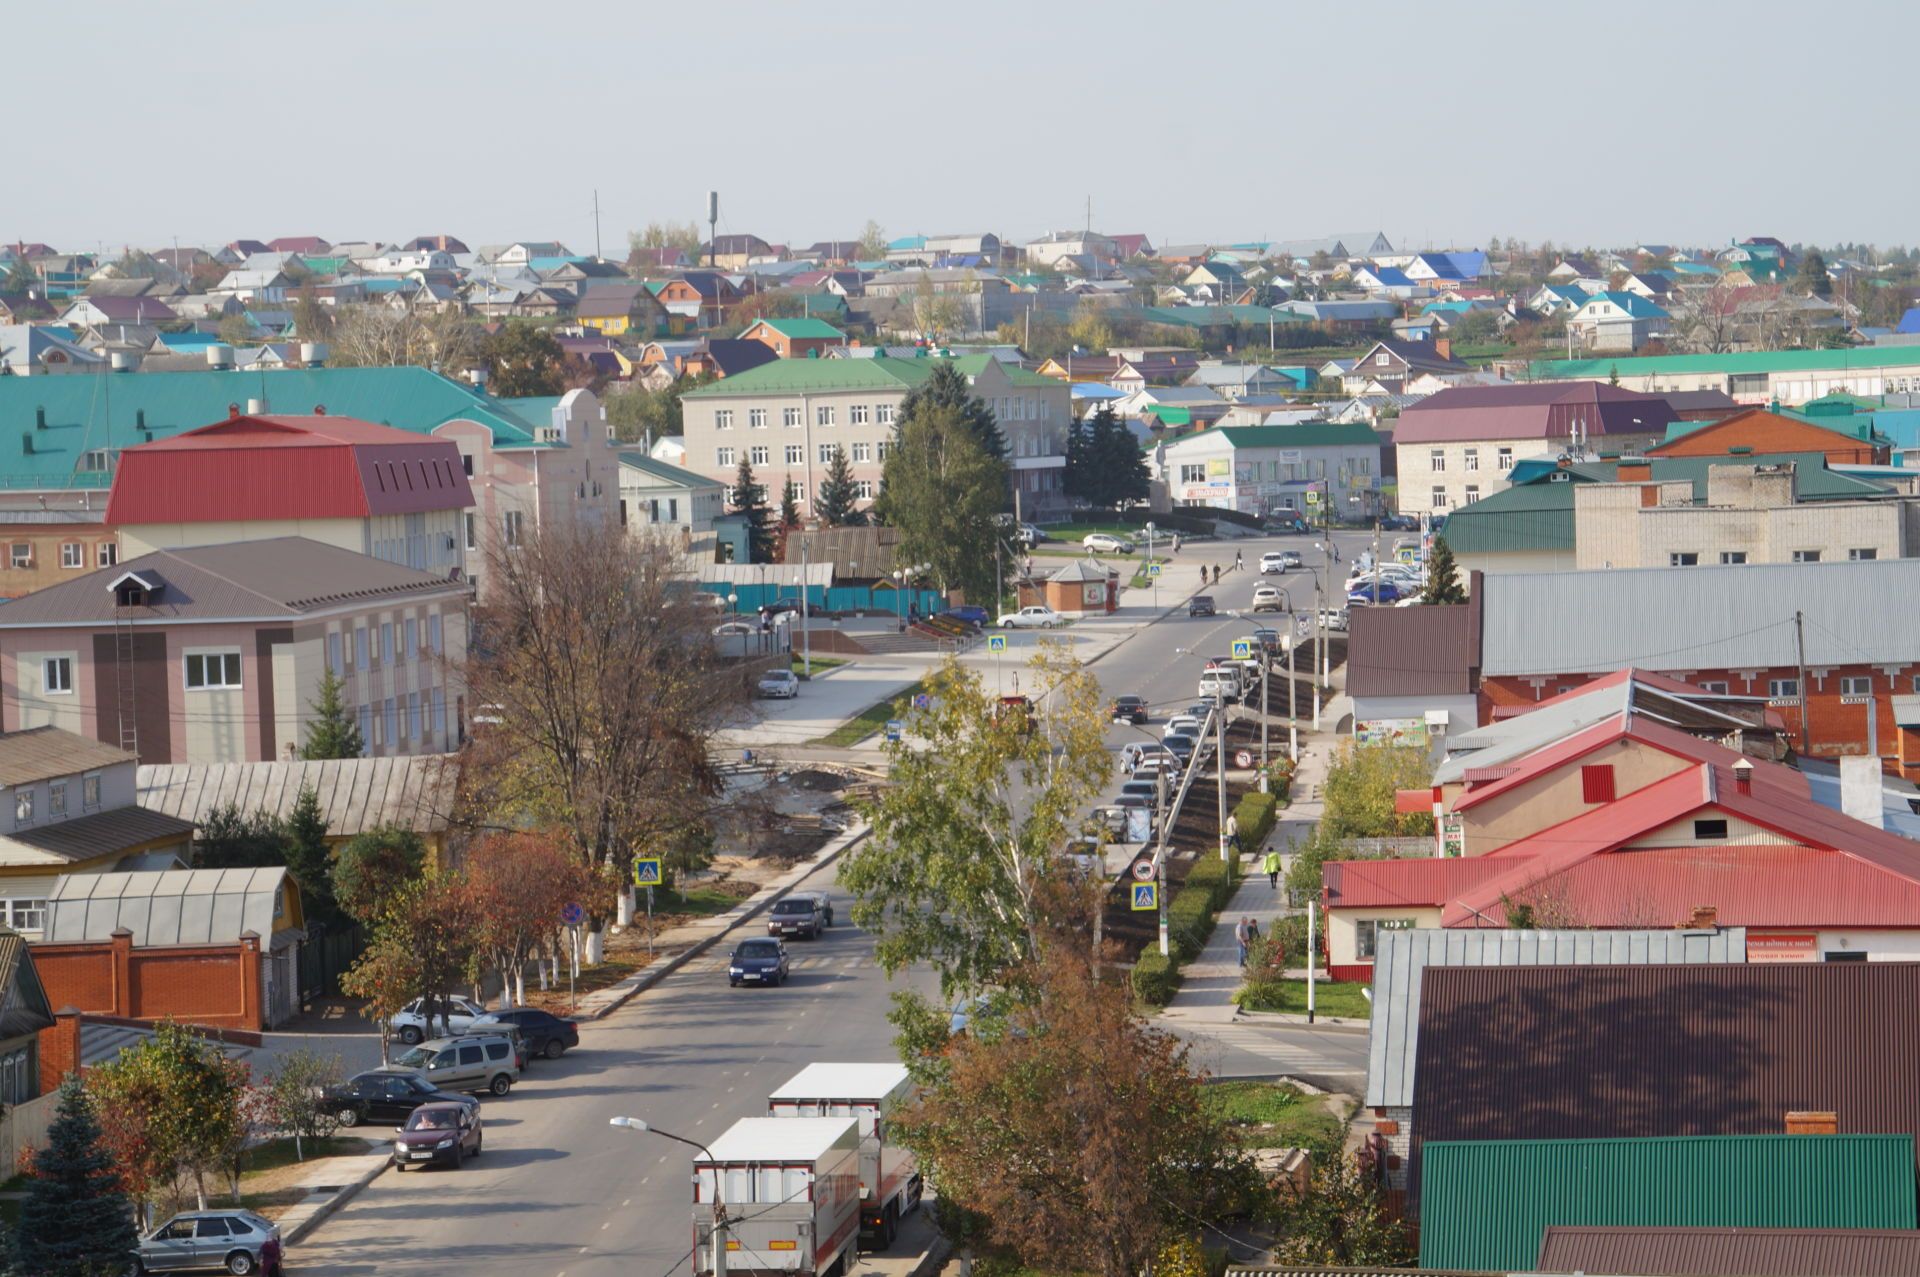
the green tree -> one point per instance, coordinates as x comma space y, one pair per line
170, 1106
309, 859
75, 1220
1812, 278
873, 243
684, 236
944, 493
20, 278
230, 840
1443, 576
1339, 1218
835, 504
946, 387
370, 869
750, 499
639, 413
1359, 793
524, 359
789, 505
293, 1095
332, 731
1105, 466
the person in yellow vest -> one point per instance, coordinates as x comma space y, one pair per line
1272, 867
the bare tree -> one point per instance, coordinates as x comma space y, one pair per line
366, 335
1708, 321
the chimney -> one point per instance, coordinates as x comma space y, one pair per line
255, 407
1743, 777
1705, 918
233, 410
1806, 1122
1443, 347
319, 410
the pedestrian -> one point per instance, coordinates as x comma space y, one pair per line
1216, 574
1233, 832
1272, 865
1176, 543
1238, 562
913, 614
1203, 576
1241, 935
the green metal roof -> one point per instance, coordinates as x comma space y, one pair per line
1752, 361
1217, 316
1484, 1204
1306, 434
802, 328
882, 372
669, 473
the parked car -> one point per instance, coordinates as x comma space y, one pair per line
437, 1133
1388, 591
1029, 535
231, 1241
1268, 639
1148, 789
758, 962
804, 913
1135, 751
1129, 709
1034, 616
472, 1062
780, 684
1334, 619
544, 1033
734, 629
1105, 543
1182, 724
1200, 605
385, 1095
1223, 683
1267, 598
968, 614
1181, 747
450, 1015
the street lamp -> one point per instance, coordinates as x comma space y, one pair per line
733, 601
1153, 578
719, 1207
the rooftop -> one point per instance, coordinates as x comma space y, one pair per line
37, 753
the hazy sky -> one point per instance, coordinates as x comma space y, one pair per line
1686, 121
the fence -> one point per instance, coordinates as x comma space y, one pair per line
748, 599
325, 957
25, 1126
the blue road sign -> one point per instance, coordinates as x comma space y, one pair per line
1153, 569
572, 914
1243, 649
646, 872
1146, 895
921, 700
996, 642
894, 728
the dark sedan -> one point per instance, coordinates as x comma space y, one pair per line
543, 1033
1129, 709
758, 962
386, 1095
1200, 605
437, 1133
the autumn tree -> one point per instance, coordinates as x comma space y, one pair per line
170, 1106
836, 504
1338, 1217
684, 236
426, 944
370, 868
873, 243
748, 497
524, 359
521, 882
944, 491
332, 731
370, 335
74, 1219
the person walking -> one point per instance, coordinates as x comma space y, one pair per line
1216, 574
1238, 562
1242, 933
1176, 543
1203, 576
1233, 832
1272, 867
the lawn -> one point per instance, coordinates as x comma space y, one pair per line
820, 663
1141, 580
1343, 998
275, 1154
872, 719
701, 902
1273, 1114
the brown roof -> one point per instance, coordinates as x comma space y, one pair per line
281, 577
103, 833
1532, 410
1629, 1052
417, 792
1412, 651
1731, 1252
36, 753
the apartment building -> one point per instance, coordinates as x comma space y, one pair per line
1262, 469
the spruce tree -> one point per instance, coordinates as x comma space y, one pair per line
308, 860
750, 499
75, 1221
332, 732
789, 505
946, 387
837, 494
1443, 576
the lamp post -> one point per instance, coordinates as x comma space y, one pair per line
806, 634
719, 1206
1153, 578
733, 601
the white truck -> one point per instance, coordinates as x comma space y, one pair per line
790, 1188
890, 1184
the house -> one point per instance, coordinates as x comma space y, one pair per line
1572, 268
1352, 244
214, 654
656, 261
943, 250
657, 495
1412, 672
1138, 370
1160, 407
1386, 281
303, 244
1084, 587
1754, 377
1462, 443
1702, 1252
622, 310
1556, 299
528, 251
1449, 267
1238, 380
42, 547
701, 296
97, 311
1839, 439
795, 338
1262, 469
1391, 364
250, 286
70, 808
35, 351
28, 1070
726, 357
1616, 321
733, 252
1072, 249
1655, 286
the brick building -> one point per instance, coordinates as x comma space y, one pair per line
1763, 430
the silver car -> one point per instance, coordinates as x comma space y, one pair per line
218, 1241
473, 1062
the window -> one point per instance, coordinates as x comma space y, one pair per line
73, 554
1196, 473
723, 456
1704, 830
758, 456
513, 518
1437, 459
823, 415
360, 648
386, 642
96, 460
1381, 360
472, 529
1366, 934
410, 633
796, 454
57, 798
1683, 559
1439, 498
211, 671
434, 633
756, 418
366, 727
863, 452
791, 418
1806, 556
413, 715
863, 488
390, 712
826, 453
25, 915
1860, 685
106, 554
857, 414
466, 463
1596, 783
1733, 557
23, 806
884, 414
90, 791
20, 554
1782, 688
1503, 459
800, 493
439, 720
1473, 458
333, 655
1860, 553
1472, 494
56, 675
723, 419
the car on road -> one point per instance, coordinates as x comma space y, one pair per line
1274, 561
968, 614
432, 1133
779, 684
544, 1033
1179, 724
1334, 619
1106, 543
450, 1015
1035, 616
472, 1062
1221, 683
211, 1241
1267, 598
803, 913
1290, 524
1200, 605
1268, 639
758, 961
385, 1095
1029, 535
1128, 709
1399, 523
1134, 751
1181, 747
1148, 789
1150, 765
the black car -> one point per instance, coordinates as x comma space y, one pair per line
1200, 605
386, 1095
543, 1033
1129, 709
758, 962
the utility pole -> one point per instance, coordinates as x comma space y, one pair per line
1266, 679
596, 225
1160, 857
1293, 721
806, 633
1220, 757
1800, 662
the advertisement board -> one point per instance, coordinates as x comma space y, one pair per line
1391, 731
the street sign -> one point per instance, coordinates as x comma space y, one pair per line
921, 700
1243, 649
1153, 569
1143, 870
894, 728
1243, 758
1146, 896
572, 914
646, 872
996, 642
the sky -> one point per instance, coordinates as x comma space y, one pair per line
1690, 122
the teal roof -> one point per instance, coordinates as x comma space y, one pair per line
1636, 306
909, 241
1751, 361
882, 372
803, 328
671, 474
82, 414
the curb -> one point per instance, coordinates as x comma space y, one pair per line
936, 1255
1287, 1017
756, 904
334, 1202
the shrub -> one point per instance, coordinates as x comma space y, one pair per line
1190, 920
1255, 813
1155, 979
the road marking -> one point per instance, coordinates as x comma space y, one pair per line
729, 1090
716, 1103
663, 1157
603, 1228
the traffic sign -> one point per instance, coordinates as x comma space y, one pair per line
1143, 870
1243, 758
894, 728
996, 642
1153, 569
572, 914
1243, 649
646, 871
921, 700
1146, 896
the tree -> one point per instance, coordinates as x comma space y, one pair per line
426, 942
937, 314
313, 320
835, 504
370, 869
20, 279
637, 412
873, 243
310, 859
944, 493
1090, 329
332, 731
386, 977
524, 359
169, 1106
230, 840
75, 1220
1360, 790
946, 387
1443, 576
1105, 466
789, 507
684, 236
968, 835
294, 1102
521, 882
369, 335
1812, 278
1339, 1218
239, 330
749, 498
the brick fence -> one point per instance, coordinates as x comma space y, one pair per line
210, 984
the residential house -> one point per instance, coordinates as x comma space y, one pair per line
304, 244
795, 338
1754, 377
658, 261
28, 1071
445, 243
215, 653
1616, 321
726, 357
1129, 246
702, 296
1352, 244
1072, 249
1261, 469
1451, 267
1139, 369
1386, 281
1391, 364
1842, 440
1461, 444
943, 250
1164, 407
655, 495
99, 311
529, 251
43, 547
1556, 299
1572, 268
1655, 286
254, 286
34, 351
1237, 381
733, 252
622, 310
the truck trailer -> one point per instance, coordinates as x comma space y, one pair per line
790, 1189
890, 1184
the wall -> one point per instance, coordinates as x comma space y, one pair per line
138, 539
1342, 961
215, 985
372, 684
1523, 561
47, 562
1462, 710
1612, 530
1557, 796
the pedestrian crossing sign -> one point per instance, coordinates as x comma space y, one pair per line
1146, 896
996, 642
1153, 569
1243, 649
646, 872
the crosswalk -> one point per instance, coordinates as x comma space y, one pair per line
716, 960
1219, 1046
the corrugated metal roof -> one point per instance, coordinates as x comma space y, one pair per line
1532, 411
36, 753
23, 999
1699, 618
1425, 881
1569, 1052
1851, 359
183, 906
1411, 651
417, 792
1489, 1202
1731, 1252
1393, 1034
101, 834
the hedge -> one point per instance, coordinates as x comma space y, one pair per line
1155, 979
1196, 906
1255, 814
